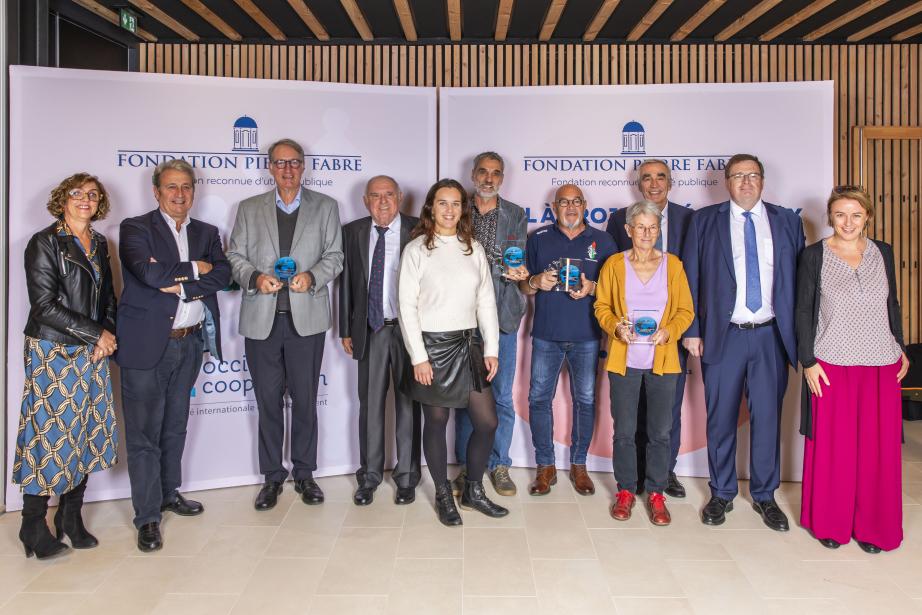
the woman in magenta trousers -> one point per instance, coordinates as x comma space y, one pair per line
850, 342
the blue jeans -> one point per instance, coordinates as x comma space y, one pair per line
505, 412
546, 360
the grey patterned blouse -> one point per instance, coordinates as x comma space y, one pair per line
853, 327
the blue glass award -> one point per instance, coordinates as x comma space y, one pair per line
285, 269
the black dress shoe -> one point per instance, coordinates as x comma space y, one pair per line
184, 507
268, 496
772, 515
829, 543
363, 496
149, 538
715, 511
474, 498
868, 547
405, 495
310, 491
674, 488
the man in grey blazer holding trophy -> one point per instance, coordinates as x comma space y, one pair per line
285, 249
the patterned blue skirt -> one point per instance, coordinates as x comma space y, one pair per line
67, 425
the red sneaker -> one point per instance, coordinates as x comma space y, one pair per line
624, 502
656, 506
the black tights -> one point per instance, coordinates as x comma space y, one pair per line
482, 411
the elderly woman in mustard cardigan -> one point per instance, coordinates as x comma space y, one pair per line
644, 305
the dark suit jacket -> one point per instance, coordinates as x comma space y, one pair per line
146, 314
677, 219
809, 281
708, 260
353, 285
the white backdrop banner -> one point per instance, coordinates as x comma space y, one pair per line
119, 126
595, 137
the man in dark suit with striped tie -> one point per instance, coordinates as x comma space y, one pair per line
370, 333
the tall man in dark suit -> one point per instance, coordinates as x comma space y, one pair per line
741, 260
172, 266
284, 323
654, 180
370, 333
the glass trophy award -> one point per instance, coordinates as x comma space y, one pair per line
513, 253
285, 269
568, 274
644, 324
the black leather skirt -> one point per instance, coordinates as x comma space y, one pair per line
456, 358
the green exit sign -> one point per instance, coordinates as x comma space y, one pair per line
128, 19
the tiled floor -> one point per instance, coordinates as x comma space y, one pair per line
559, 554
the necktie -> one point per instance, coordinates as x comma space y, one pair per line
659, 241
376, 283
753, 284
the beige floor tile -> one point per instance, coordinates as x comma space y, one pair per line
104, 603
309, 531
426, 586
715, 586
866, 587
336, 488
16, 573
424, 536
912, 472
362, 561
487, 551
145, 576
380, 513
348, 605
634, 565
243, 513
626, 605
214, 574
686, 537
289, 583
556, 531
243, 540
803, 606
183, 536
772, 564
194, 604
574, 587
75, 572
515, 518
43, 604
500, 605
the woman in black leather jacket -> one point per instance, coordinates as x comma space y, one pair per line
67, 423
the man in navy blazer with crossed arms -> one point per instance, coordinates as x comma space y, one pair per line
741, 260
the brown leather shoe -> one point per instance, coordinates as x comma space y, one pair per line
624, 502
656, 507
580, 479
545, 476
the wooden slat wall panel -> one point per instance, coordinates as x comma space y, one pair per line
875, 85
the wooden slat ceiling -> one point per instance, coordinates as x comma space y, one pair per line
521, 21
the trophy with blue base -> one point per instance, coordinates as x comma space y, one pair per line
285, 269
513, 254
644, 323
568, 274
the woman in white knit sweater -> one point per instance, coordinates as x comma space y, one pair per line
449, 324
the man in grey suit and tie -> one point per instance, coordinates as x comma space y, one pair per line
285, 322
370, 333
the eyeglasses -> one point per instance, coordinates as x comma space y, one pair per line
294, 163
646, 230
381, 196
79, 194
741, 177
577, 202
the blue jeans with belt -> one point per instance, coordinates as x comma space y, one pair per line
547, 358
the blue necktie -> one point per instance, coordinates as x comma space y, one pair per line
659, 241
753, 284
376, 283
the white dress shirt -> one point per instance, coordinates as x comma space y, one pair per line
741, 313
191, 313
391, 264
664, 227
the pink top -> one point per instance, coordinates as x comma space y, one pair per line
644, 301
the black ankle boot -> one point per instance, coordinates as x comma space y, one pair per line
445, 505
474, 498
69, 521
35, 536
